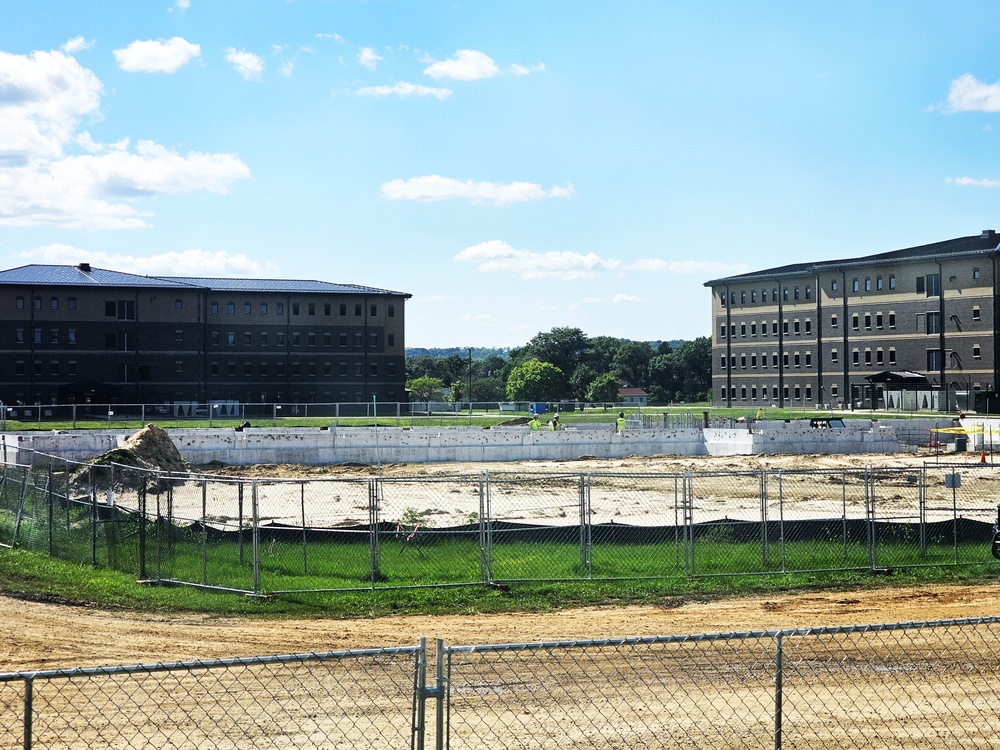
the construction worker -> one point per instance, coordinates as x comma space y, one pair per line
555, 422
620, 424
535, 424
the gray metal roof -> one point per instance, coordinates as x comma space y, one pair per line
83, 275
979, 244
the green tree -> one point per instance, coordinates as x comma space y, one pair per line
563, 347
602, 352
603, 388
488, 389
425, 388
534, 380
631, 363
580, 381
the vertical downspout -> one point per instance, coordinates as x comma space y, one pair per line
995, 385
781, 345
819, 341
847, 339
941, 337
729, 351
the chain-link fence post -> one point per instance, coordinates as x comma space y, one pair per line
51, 509
586, 535
871, 517
374, 486
255, 536
922, 509
765, 548
687, 502
485, 528
142, 527
779, 687
204, 532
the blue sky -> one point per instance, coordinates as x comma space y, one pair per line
515, 166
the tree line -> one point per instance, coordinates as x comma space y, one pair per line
564, 364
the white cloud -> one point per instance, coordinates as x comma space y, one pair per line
247, 64
287, 68
45, 96
497, 256
972, 182
525, 70
403, 89
192, 262
618, 299
76, 44
181, 5
368, 58
477, 318
467, 65
156, 56
967, 94
437, 188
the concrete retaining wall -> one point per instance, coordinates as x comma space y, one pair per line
422, 445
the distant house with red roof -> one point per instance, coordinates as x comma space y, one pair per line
632, 396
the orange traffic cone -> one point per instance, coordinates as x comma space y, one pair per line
982, 457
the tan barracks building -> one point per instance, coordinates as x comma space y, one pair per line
859, 332
77, 334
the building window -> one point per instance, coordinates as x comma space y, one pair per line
279, 308
868, 357
373, 341
892, 320
38, 336
833, 355
37, 303
833, 321
933, 360
312, 308
784, 294
878, 321
295, 308
753, 328
247, 307
879, 357
391, 311
797, 360
357, 309
878, 283
263, 308
796, 327
809, 359
215, 368
19, 303
868, 321
834, 285
868, 283
975, 272
933, 322
54, 303
342, 339
373, 369
809, 326
390, 369
19, 335
327, 338
390, 340
892, 356
178, 365
54, 336
327, 309
977, 353
798, 392
743, 298
809, 291
343, 309
854, 285
247, 369
231, 338
311, 338
263, 338
753, 361
856, 357
231, 308
784, 327
977, 314
892, 282
231, 369
295, 338
373, 311
854, 321
71, 335
279, 338
722, 362
214, 308
743, 330
342, 368
263, 369
784, 360
753, 296
774, 360
358, 343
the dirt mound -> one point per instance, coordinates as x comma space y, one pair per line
149, 448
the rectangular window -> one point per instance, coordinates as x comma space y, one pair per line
247, 338
343, 309
975, 272
854, 285
933, 322
231, 338
38, 336
809, 291
753, 296
327, 309
231, 369
71, 335
178, 365
753, 328
279, 308
868, 283
878, 321
856, 357
279, 338
878, 283
71, 368
743, 330
784, 294
263, 308
178, 303
796, 294
263, 338
215, 338
855, 321
833, 321
37, 303
933, 285
358, 343
868, 357
54, 336
391, 312
54, 303
784, 327
327, 338
977, 314
19, 336
373, 369
373, 341
215, 368
833, 355
357, 309
390, 340
774, 327
19, 303
868, 321
247, 308
797, 360
342, 339
809, 359
295, 338
311, 338
390, 369
743, 298
834, 285
892, 282
231, 308
892, 320
977, 353
295, 308
809, 327
312, 308
919, 285
933, 360
373, 311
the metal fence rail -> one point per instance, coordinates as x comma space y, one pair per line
269, 536
933, 684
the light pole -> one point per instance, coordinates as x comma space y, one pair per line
470, 383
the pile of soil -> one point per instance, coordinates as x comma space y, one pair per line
149, 448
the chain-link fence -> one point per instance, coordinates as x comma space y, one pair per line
910, 685
338, 699
269, 536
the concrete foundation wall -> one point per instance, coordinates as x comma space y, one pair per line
424, 445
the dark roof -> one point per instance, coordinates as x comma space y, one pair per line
980, 244
900, 378
84, 275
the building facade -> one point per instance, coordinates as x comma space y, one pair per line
77, 334
811, 335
